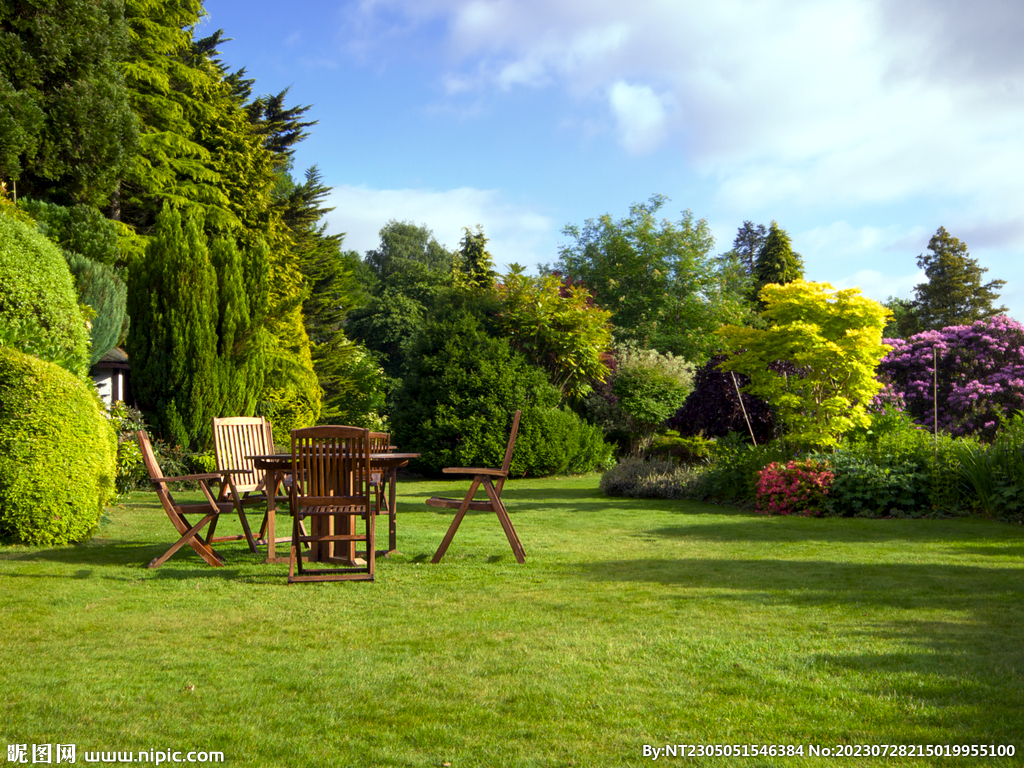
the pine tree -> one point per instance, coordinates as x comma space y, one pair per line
953, 294
776, 262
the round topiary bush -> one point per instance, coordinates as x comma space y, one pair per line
57, 453
39, 310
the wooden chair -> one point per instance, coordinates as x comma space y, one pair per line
482, 477
211, 510
331, 487
380, 442
235, 438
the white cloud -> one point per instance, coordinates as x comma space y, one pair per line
823, 105
516, 233
640, 114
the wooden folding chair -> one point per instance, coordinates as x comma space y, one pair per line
211, 510
331, 487
482, 477
235, 440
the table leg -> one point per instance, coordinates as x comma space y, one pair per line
392, 510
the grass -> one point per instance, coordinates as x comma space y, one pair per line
633, 622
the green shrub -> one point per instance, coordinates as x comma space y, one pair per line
649, 479
896, 468
455, 403
734, 469
994, 474
57, 453
39, 309
79, 229
684, 450
99, 288
867, 487
555, 441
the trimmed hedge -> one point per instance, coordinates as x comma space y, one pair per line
57, 453
39, 310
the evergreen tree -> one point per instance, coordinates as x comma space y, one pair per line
67, 131
748, 243
172, 341
241, 336
776, 262
476, 262
954, 294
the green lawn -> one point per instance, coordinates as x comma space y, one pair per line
632, 623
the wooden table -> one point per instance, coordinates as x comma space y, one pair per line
278, 465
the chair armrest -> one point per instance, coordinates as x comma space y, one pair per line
191, 478
474, 471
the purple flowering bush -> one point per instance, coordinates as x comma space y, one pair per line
799, 487
980, 375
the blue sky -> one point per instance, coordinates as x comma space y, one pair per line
860, 126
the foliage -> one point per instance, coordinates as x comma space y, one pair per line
242, 339
713, 408
894, 468
995, 473
798, 487
835, 340
385, 324
406, 247
475, 265
79, 228
172, 342
953, 294
735, 467
101, 289
980, 375
39, 309
649, 387
558, 327
639, 478
66, 128
903, 322
682, 449
455, 403
657, 279
196, 341
555, 441
57, 453
776, 263
748, 243
354, 385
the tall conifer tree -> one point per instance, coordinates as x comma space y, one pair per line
954, 294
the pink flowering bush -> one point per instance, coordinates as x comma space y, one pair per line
799, 487
980, 375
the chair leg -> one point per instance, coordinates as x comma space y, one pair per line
191, 538
456, 522
506, 522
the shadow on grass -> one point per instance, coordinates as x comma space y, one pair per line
969, 665
828, 583
754, 528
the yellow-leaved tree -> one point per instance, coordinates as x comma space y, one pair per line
833, 338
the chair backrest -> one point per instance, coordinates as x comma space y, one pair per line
153, 468
331, 467
507, 463
235, 438
380, 442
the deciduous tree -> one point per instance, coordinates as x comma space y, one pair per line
834, 338
657, 279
